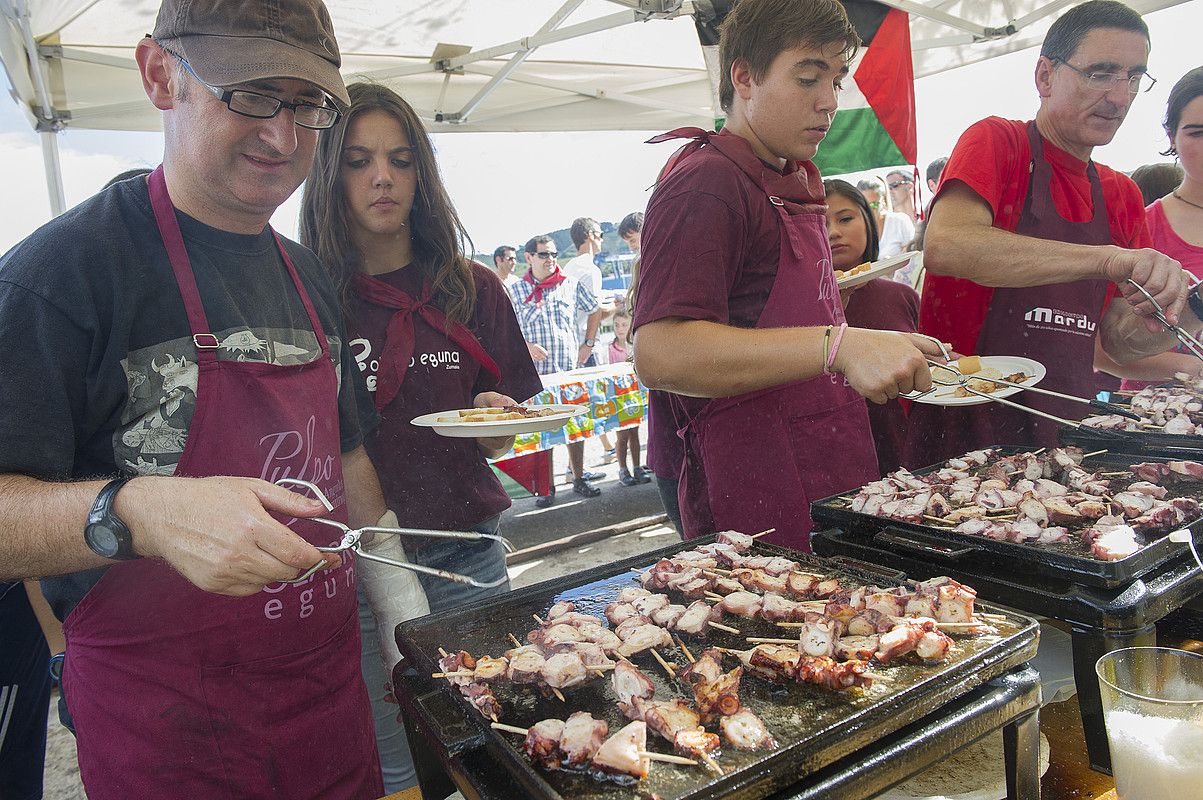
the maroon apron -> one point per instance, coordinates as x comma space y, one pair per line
177, 690
1054, 324
757, 460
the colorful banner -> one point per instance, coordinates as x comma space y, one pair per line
608, 402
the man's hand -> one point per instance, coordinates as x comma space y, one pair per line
217, 531
880, 365
582, 355
1160, 275
493, 446
537, 352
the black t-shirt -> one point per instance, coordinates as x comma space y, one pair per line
96, 356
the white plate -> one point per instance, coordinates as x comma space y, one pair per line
1007, 365
508, 427
880, 269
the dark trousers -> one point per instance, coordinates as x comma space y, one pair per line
24, 696
667, 487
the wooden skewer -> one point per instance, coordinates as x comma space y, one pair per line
514, 639
710, 763
713, 596
1038, 452
726, 628
1095, 453
877, 676
994, 617
685, 650
463, 673
667, 759
941, 520
501, 726
672, 673
763, 533
538, 619
722, 573
559, 695
769, 640
442, 652
493, 717
608, 667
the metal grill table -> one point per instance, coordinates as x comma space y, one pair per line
831, 745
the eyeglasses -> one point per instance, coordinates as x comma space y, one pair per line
509, 258
263, 106
542, 254
1103, 81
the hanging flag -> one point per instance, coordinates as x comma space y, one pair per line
875, 124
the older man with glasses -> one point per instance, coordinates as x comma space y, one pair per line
1029, 239
166, 358
547, 301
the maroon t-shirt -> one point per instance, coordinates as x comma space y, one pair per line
711, 245
886, 305
432, 481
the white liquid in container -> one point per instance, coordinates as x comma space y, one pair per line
1154, 758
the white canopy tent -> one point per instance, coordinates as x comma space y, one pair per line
469, 65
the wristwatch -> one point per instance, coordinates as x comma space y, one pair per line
1194, 301
106, 533
590, 342
55, 667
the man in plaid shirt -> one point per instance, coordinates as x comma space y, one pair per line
546, 301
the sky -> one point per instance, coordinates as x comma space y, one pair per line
508, 187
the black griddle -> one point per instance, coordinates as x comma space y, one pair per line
817, 729
1070, 562
1144, 442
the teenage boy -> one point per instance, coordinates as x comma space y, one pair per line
738, 313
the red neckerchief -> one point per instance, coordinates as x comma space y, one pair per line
550, 282
399, 338
801, 189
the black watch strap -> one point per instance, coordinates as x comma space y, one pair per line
105, 533
1194, 301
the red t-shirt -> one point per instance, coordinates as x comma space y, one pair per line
992, 158
432, 481
711, 246
886, 305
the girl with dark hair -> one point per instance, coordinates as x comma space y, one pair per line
431, 330
882, 303
1175, 222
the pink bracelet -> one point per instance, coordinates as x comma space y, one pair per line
835, 348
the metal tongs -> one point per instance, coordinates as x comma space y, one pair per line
1101, 405
352, 540
1102, 432
1192, 345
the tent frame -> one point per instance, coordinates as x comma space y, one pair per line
49, 121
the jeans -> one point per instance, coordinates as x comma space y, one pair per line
483, 560
24, 696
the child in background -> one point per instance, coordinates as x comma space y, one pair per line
627, 441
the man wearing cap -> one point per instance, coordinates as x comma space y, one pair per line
153, 339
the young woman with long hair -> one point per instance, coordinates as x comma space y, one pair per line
882, 303
431, 329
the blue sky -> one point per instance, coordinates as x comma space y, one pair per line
510, 186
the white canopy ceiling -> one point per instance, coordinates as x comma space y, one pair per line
475, 65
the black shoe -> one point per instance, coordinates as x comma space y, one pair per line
545, 501
592, 476
626, 479
643, 474
581, 487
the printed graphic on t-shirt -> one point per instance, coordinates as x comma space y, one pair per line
162, 380
1058, 321
369, 362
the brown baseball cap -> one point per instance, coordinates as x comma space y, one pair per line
235, 41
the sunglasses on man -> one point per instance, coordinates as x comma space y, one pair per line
543, 254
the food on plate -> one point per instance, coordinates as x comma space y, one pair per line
969, 364
504, 414
842, 274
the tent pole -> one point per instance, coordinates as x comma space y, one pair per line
54, 173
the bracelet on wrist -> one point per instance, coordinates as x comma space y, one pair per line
835, 348
826, 347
